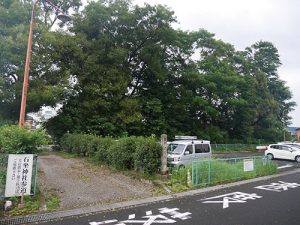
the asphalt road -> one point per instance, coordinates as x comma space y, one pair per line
272, 201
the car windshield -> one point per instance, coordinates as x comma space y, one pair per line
176, 149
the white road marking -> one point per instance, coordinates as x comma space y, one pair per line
234, 197
132, 216
279, 186
286, 166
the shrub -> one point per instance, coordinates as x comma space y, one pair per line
103, 146
65, 143
147, 156
16, 140
122, 153
126, 153
83, 144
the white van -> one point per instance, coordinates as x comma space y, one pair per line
183, 152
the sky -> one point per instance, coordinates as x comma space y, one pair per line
244, 22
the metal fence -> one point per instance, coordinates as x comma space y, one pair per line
3, 171
233, 147
220, 171
3, 168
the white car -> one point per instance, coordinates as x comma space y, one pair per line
280, 151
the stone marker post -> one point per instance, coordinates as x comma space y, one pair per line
164, 155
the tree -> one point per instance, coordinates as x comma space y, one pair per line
124, 68
273, 96
14, 26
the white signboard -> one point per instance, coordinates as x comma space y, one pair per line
19, 173
248, 165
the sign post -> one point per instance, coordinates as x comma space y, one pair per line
19, 175
248, 165
164, 155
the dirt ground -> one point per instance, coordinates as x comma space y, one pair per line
79, 183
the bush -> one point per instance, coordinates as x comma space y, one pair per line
103, 146
148, 155
84, 145
122, 153
126, 153
65, 143
16, 140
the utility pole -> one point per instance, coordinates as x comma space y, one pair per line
283, 125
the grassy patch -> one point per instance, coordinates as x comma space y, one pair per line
52, 202
226, 148
207, 173
66, 155
33, 204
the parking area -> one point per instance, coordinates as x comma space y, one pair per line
286, 165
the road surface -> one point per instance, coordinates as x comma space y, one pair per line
272, 201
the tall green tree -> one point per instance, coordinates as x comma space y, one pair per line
273, 97
125, 70
43, 89
125, 60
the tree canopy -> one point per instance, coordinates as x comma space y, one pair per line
121, 69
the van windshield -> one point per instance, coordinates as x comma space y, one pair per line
176, 149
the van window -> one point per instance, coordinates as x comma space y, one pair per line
190, 149
201, 148
175, 148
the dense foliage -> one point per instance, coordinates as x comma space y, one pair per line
121, 69
46, 85
14, 140
128, 153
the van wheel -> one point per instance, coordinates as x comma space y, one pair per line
182, 166
271, 157
297, 158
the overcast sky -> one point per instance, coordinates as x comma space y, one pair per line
244, 22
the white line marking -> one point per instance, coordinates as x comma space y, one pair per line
286, 166
132, 216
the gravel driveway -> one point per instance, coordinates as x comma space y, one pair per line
79, 183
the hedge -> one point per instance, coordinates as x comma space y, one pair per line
16, 140
129, 153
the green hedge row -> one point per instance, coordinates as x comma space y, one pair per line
16, 140
138, 153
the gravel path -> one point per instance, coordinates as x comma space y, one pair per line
81, 184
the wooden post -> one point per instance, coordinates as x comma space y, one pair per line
164, 155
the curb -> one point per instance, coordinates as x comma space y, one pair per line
128, 204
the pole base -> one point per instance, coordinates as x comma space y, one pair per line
20, 205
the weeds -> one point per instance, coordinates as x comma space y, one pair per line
33, 204
213, 172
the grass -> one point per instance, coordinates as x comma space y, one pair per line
227, 148
33, 204
52, 202
221, 172
66, 155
